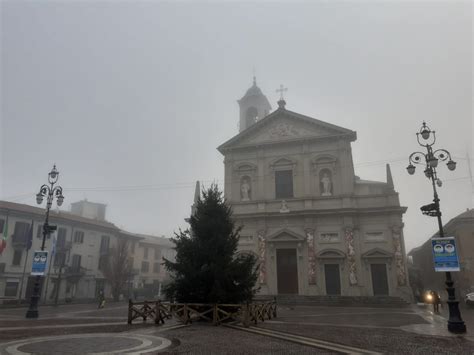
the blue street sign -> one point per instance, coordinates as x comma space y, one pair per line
39, 262
445, 254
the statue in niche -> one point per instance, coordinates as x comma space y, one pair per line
325, 183
245, 190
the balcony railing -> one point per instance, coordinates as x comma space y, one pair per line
104, 251
74, 273
18, 241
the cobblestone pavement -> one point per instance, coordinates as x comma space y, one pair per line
385, 330
207, 339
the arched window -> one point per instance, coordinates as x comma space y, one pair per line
252, 116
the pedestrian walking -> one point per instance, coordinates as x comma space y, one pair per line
101, 299
436, 299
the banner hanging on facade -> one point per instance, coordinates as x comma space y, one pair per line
445, 254
39, 262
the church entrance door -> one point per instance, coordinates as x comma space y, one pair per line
379, 279
287, 271
333, 279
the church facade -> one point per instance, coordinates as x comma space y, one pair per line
315, 227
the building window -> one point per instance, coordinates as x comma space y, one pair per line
156, 268
157, 253
11, 288
103, 261
17, 258
283, 184
145, 252
104, 243
79, 237
59, 259
20, 234
39, 231
76, 262
2, 225
132, 247
61, 242
145, 266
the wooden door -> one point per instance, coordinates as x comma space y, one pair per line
333, 279
379, 279
287, 271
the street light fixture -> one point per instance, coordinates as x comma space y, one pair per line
430, 160
50, 192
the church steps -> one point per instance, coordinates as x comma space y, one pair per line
353, 301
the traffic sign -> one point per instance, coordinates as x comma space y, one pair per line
445, 254
39, 262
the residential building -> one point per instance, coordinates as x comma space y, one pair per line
83, 244
421, 258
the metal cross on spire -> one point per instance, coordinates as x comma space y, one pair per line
281, 90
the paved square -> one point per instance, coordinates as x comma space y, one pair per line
82, 329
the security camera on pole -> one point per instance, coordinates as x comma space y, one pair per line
429, 160
41, 257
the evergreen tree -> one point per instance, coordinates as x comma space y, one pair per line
207, 268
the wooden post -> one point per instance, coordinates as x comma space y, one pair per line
130, 306
274, 307
157, 312
144, 309
246, 316
214, 315
186, 315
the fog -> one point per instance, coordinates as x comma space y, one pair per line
131, 99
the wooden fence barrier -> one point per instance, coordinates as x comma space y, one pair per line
145, 309
216, 313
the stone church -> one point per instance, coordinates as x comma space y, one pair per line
316, 227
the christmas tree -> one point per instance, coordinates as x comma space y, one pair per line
207, 268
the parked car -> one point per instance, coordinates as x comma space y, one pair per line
470, 299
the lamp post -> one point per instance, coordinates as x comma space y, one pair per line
427, 138
50, 191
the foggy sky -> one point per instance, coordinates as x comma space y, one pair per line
131, 99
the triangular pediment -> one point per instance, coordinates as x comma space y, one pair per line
377, 253
330, 254
285, 126
285, 235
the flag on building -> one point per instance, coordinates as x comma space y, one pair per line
53, 245
29, 237
3, 242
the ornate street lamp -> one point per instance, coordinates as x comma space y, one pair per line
426, 138
50, 191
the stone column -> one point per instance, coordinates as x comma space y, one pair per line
311, 257
399, 260
349, 236
262, 257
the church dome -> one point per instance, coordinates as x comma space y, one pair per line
254, 90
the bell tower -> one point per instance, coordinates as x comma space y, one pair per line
253, 106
